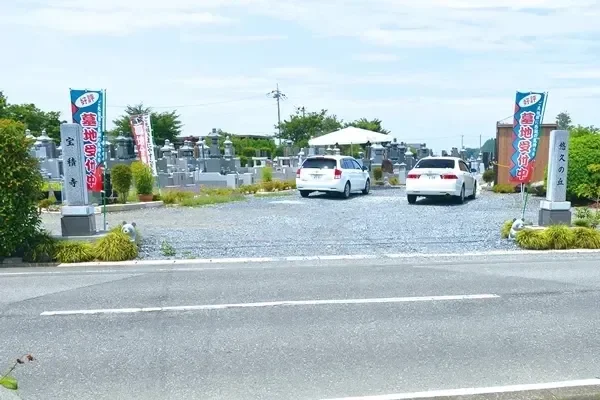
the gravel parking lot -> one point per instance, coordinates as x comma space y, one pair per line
382, 222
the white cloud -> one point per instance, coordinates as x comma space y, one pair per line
213, 38
376, 57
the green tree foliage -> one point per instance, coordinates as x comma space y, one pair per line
563, 120
488, 146
301, 126
21, 183
584, 150
370, 125
121, 178
579, 130
165, 125
32, 117
247, 146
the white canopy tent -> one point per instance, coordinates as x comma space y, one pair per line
349, 135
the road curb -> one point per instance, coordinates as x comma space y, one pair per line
250, 260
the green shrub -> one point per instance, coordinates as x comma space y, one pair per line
144, 181
532, 239
488, 176
559, 237
121, 178
243, 161
505, 230
116, 246
74, 252
503, 188
267, 174
585, 223
583, 151
167, 249
394, 181
377, 173
20, 189
40, 248
175, 196
585, 238
46, 203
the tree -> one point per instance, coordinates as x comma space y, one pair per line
563, 120
32, 117
489, 146
372, 125
165, 125
21, 184
301, 126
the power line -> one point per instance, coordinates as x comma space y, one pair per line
199, 105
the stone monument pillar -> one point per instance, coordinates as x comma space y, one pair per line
556, 209
77, 214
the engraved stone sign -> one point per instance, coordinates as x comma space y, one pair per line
555, 209
75, 186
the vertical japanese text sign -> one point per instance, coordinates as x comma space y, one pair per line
75, 184
558, 160
87, 107
141, 128
529, 114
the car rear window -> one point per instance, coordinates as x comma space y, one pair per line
323, 163
433, 163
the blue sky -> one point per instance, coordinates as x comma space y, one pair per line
432, 70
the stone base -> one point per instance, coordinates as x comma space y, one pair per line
78, 225
554, 217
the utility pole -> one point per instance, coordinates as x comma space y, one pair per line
278, 95
303, 111
479, 144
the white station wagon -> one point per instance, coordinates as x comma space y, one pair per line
441, 177
332, 174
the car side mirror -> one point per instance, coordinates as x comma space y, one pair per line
364, 168
473, 170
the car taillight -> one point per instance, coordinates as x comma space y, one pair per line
298, 172
412, 176
337, 174
449, 176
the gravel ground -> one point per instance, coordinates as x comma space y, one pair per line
382, 222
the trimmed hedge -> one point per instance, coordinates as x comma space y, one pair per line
583, 151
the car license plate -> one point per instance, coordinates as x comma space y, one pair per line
316, 177
432, 176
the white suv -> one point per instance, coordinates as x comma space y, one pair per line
332, 174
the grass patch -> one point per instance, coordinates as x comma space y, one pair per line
167, 249
532, 239
208, 196
73, 252
505, 230
585, 238
503, 188
116, 246
558, 237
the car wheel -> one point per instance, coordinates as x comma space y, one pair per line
304, 193
474, 191
412, 199
367, 188
346, 192
460, 199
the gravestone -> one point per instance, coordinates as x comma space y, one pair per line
77, 215
556, 209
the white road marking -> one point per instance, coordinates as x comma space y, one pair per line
274, 304
287, 202
477, 391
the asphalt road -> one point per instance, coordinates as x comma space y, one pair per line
382, 222
351, 328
